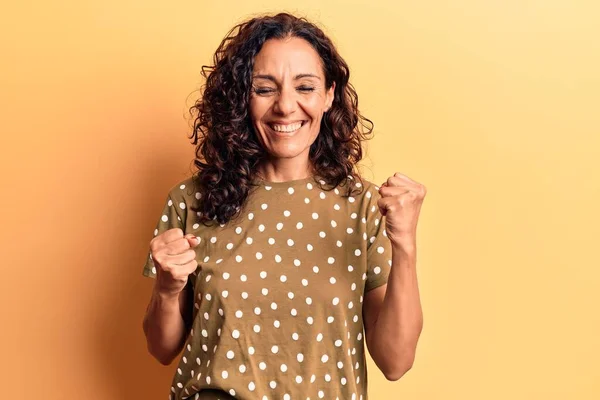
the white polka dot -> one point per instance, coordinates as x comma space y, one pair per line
235, 333
324, 358
309, 247
258, 255
333, 223
224, 374
290, 242
338, 343
308, 301
277, 258
238, 258
283, 278
283, 367
262, 365
316, 269
331, 260
377, 270
299, 225
336, 301
286, 213
230, 355
275, 349
332, 280
261, 228
315, 215
239, 313
263, 274
164, 218
257, 310
273, 384
322, 234
304, 282
243, 278
264, 206
251, 386
291, 190
257, 328
295, 336
271, 241
249, 240
319, 337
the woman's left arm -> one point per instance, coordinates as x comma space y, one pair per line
393, 316
392, 313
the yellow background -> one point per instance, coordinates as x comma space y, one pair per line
493, 105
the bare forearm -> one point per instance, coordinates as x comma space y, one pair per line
164, 327
400, 320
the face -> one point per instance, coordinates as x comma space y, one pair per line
288, 99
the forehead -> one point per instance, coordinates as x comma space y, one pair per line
293, 55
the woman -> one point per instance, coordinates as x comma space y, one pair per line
262, 258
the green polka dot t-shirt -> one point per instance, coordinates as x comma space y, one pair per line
278, 292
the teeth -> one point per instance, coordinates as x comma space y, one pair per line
287, 128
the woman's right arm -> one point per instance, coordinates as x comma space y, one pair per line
167, 323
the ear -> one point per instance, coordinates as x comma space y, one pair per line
329, 97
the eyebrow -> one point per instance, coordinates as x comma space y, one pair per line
299, 76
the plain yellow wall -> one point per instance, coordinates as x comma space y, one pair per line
493, 105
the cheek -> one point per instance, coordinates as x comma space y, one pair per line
256, 109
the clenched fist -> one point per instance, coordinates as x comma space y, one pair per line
174, 258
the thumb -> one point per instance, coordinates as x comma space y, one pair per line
193, 240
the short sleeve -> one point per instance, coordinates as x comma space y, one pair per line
379, 249
172, 216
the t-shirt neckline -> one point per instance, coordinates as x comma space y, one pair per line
286, 184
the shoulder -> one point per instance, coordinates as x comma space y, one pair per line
184, 191
369, 190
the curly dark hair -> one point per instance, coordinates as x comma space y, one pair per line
228, 150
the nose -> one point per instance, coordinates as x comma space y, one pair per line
285, 103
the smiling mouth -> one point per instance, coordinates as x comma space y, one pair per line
285, 130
